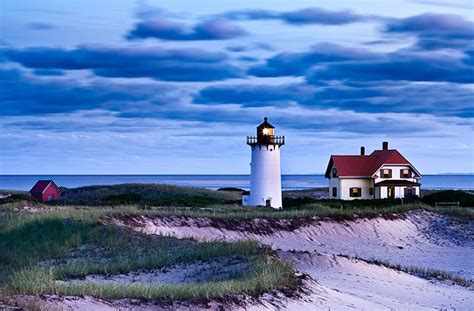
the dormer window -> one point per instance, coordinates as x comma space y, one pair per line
386, 173
405, 173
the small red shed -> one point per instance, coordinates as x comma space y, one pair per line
45, 190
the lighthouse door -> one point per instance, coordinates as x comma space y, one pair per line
268, 202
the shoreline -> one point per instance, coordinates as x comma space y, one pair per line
214, 182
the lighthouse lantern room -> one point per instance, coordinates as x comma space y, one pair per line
265, 180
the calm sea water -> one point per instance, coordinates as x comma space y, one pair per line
289, 182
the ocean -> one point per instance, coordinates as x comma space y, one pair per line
289, 182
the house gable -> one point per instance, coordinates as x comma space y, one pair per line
362, 166
44, 189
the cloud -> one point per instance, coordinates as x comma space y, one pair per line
40, 26
167, 30
397, 67
441, 99
48, 72
23, 95
249, 47
329, 62
255, 94
299, 17
449, 4
130, 62
435, 30
295, 64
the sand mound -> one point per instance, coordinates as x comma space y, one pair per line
318, 248
418, 238
196, 272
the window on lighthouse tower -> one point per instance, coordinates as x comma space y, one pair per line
267, 131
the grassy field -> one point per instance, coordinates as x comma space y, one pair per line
146, 195
42, 250
327, 209
44, 246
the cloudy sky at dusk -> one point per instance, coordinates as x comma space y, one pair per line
173, 87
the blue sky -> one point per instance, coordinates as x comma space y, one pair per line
173, 87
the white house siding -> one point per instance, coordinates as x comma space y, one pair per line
363, 183
334, 183
395, 173
382, 192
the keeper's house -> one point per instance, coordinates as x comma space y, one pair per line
384, 174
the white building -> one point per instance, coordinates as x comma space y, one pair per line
384, 174
265, 180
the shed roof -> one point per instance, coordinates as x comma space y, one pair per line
42, 185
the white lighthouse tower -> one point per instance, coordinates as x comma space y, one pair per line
265, 181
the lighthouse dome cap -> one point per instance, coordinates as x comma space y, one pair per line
265, 124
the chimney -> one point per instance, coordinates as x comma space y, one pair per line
362, 150
385, 145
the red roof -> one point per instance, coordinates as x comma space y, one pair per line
364, 165
41, 185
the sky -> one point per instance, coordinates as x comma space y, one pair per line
174, 87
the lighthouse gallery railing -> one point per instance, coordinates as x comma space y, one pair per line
266, 140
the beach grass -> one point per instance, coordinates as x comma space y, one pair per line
146, 195
427, 273
42, 251
238, 212
263, 276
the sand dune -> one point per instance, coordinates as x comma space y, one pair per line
419, 239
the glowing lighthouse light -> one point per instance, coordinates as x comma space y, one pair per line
265, 180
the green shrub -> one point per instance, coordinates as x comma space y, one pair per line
16, 197
465, 199
145, 195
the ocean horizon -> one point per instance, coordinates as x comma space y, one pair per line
215, 181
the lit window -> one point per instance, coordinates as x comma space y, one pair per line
266, 131
386, 173
355, 192
405, 173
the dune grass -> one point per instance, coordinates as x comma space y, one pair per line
41, 251
146, 195
262, 277
238, 212
427, 273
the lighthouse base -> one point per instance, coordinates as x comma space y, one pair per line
248, 200
245, 200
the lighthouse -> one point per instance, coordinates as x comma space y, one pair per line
265, 180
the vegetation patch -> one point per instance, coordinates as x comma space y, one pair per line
17, 197
464, 198
426, 273
42, 251
146, 195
